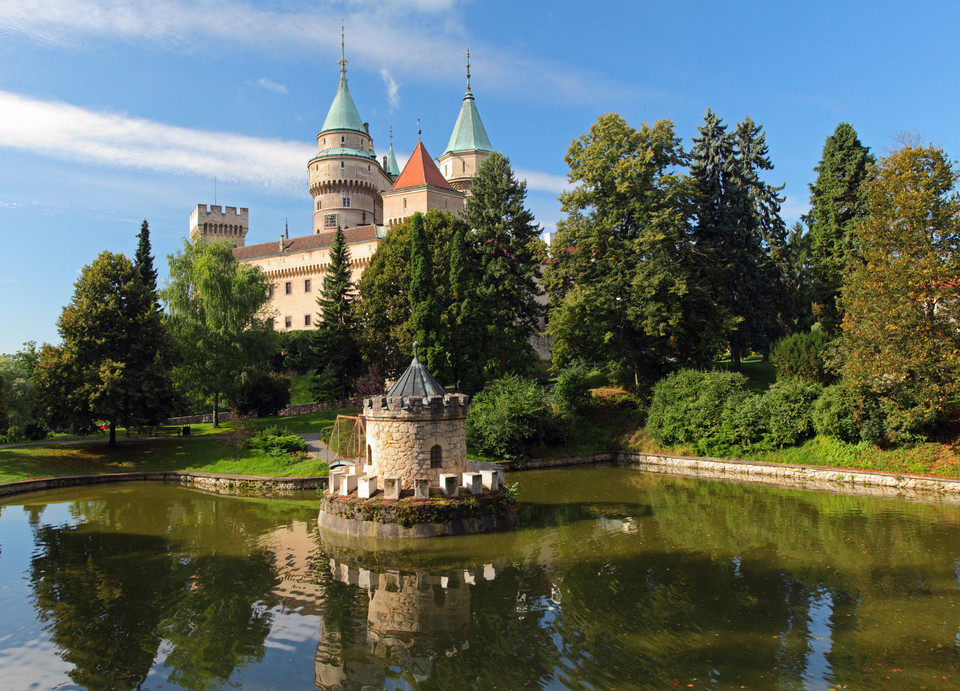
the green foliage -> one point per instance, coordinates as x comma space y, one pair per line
715, 414
262, 393
424, 301
213, 311
295, 352
336, 346
113, 364
835, 414
837, 204
17, 392
571, 390
277, 441
506, 415
900, 341
624, 284
143, 261
802, 355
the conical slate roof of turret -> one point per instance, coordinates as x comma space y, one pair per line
343, 114
416, 381
393, 170
468, 132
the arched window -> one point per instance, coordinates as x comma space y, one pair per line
436, 456
369, 455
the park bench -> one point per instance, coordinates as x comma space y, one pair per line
164, 430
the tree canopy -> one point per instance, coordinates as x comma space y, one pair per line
214, 313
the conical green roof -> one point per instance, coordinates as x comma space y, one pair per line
468, 134
416, 381
343, 113
393, 170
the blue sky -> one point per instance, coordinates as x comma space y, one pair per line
113, 111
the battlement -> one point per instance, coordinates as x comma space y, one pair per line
219, 222
450, 405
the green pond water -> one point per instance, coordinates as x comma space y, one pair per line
613, 579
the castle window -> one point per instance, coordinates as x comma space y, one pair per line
346, 202
306, 320
288, 288
404, 202
329, 220
318, 206
287, 322
341, 164
306, 285
342, 139
270, 291
363, 217
369, 455
436, 456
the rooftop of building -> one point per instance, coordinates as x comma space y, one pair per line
306, 243
421, 170
416, 381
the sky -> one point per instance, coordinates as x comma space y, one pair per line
116, 111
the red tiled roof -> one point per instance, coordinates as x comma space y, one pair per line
304, 243
421, 170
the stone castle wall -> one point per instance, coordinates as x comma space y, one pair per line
401, 433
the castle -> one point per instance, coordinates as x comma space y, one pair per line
352, 190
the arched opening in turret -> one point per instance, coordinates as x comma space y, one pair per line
436, 456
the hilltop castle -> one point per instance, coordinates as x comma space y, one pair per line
353, 190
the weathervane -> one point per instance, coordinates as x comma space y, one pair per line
418, 129
343, 58
468, 69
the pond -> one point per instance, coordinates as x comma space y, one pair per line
615, 578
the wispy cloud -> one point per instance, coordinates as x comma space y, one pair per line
68, 132
544, 182
433, 48
393, 89
269, 85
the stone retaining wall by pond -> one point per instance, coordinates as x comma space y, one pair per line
232, 484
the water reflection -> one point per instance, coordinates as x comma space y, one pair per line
614, 579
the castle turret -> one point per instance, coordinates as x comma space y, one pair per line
219, 223
346, 180
469, 145
420, 187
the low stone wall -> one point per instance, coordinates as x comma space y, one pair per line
232, 484
298, 409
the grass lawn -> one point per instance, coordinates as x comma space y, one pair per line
300, 389
760, 375
205, 450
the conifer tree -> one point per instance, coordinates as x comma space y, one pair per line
837, 204
336, 344
464, 354
509, 252
424, 302
143, 260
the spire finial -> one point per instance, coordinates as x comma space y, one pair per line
418, 129
391, 135
343, 59
415, 344
468, 69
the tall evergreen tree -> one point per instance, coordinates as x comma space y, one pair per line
464, 349
424, 300
143, 260
837, 204
509, 252
336, 343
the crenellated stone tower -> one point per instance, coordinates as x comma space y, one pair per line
219, 223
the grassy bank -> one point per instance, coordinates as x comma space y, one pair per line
206, 450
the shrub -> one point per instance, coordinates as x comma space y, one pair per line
508, 414
802, 355
834, 414
788, 408
277, 440
35, 430
263, 393
571, 391
687, 406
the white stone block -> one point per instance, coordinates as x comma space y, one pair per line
491, 479
364, 579
391, 487
367, 486
489, 573
421, 488
449, 485
348, 484
444, 582
473, 483
469, 577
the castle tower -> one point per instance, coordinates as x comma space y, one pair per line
420, 187
346, 181
219, 223
468, 145
390, 162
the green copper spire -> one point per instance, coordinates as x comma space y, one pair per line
468, 133
343, 113
393, 170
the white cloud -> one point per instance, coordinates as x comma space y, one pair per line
68, 132
544, 182
434, 39
269, 85
393, 89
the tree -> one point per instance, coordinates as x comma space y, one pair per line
899, 331
214, 313
622, 276
143, 261
424, 299
837, 204
465, 352
738, 231
336, 343
109, 367
509, 252
17, 393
